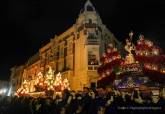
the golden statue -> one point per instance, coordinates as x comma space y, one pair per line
129, 47
50, 73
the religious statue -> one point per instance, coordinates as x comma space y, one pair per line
39, 78
58, 79
130, 48
49, 78
50, 74
58, 82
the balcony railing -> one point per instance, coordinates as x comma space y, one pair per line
93, 67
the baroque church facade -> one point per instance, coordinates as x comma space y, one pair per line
75, 53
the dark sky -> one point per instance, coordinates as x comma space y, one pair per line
26, 25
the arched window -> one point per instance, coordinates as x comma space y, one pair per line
90, 8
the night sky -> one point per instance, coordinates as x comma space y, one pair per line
26, 25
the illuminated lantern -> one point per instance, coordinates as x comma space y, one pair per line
108, 50
106, 60
104, 54
103, 75
110, 45
109, 60
114, 57
114, 49
155, 51
155, 67
108, 72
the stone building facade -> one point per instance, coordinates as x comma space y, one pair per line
75, 53
16, 77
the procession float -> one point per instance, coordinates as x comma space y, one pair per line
140, 65
44, 85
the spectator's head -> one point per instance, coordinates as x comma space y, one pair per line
127, 97
101, 110
101, 91
48, 101
85, 89
163, 93
80, 92
155, 96
135, 95
66, 91
57, 97
109, 94
92, 94
63, 110
78, 96
79, 109
73, 93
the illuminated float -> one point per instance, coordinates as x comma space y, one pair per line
133, 65
44, 86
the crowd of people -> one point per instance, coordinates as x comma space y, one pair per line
99, 101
